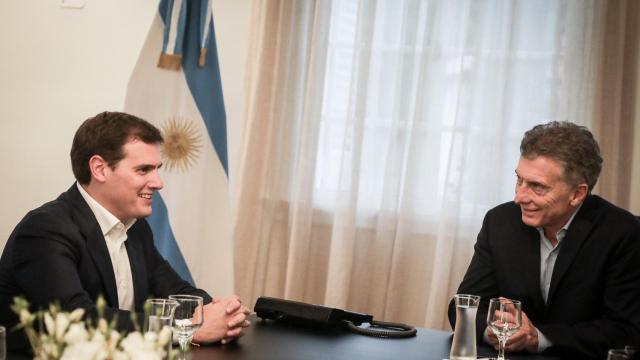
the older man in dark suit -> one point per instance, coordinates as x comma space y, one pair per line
572, 258
93, 240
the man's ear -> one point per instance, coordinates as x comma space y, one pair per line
579, 194
98, 167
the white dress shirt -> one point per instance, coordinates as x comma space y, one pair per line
115, 234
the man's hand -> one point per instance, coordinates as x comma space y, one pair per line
525, 339
224, 321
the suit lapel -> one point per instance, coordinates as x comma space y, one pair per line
576, 235
138, 273
96, 244
531, 263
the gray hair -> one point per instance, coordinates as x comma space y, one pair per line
572, 145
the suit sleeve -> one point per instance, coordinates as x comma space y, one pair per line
162, 279
479, 279
165, 281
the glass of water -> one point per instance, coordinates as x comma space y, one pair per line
159, 313
187, 319
504, 318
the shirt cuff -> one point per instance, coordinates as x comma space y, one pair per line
543, 342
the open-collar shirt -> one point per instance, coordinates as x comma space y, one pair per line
115, 235
548, 257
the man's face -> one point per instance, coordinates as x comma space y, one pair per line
544, 196
129, 186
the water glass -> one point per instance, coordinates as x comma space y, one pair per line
159, 313
187, 319
618, 354
504, 318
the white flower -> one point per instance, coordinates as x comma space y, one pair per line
49, 324
102, 325
143, 354
139, 347
26, 317
82, 350
119, 355
114, 337
150, 337
164, 336
66, 336
98, 337
50, 348
62, 322
132, 341
76, 315
77, 333
103, 354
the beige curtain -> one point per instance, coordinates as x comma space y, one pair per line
378, 134
283, 61
616, 98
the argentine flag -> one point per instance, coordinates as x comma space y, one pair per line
176, 86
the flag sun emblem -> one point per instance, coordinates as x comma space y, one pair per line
181, 144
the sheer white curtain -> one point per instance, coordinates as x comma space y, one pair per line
380, 132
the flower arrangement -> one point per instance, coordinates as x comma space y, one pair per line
62, 335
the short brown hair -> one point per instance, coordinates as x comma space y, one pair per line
105, 134
572, 145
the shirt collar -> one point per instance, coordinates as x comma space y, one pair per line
106, 219
563, 231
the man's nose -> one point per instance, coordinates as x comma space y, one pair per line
156, 182
522, 194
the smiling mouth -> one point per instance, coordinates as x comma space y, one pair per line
146, 196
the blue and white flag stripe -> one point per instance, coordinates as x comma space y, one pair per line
205, 81
174, 13
165, 241
175, 19
191, 218
205, 22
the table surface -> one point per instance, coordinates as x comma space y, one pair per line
266, 339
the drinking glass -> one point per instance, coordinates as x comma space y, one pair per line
187, 319
504, 318
159, 313
618, 354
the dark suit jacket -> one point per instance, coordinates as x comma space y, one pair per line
57, 253
594, 297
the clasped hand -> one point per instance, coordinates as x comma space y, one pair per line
525, 339
224, 321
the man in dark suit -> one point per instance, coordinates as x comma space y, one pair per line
570, 257
93, 240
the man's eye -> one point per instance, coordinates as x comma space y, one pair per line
539, 189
